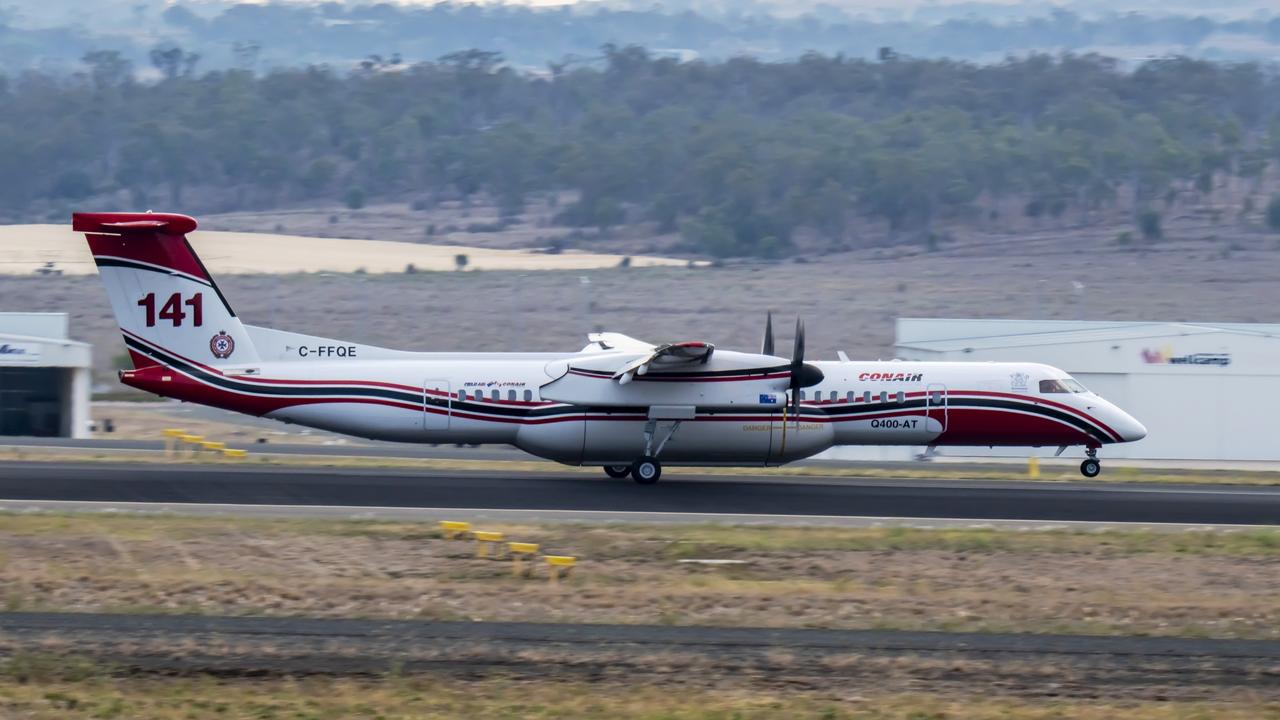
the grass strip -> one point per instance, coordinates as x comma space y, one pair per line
1113, 582
60, 688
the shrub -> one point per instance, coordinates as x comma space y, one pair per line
1149, 224
1273, 214
354, 198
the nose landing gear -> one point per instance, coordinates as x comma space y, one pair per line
1091, 466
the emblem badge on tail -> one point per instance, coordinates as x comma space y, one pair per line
221, 345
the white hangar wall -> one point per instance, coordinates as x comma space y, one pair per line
1204, 390
44, 377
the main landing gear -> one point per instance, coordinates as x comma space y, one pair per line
1091, 466
647, 469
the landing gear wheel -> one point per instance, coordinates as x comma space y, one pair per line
617, 471
646, 470
1090, 468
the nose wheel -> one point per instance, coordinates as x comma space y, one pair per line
1091, 466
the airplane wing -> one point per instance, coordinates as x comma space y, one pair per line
669, 354
603, 341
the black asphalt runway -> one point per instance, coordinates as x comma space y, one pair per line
680, 491
363, 449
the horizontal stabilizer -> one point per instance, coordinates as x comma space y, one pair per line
127, 223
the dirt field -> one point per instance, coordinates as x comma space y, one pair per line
44, 693
850, 301
28, 247
1203, 270
1112, 583
1219, 585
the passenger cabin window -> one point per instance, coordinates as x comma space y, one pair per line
935, 397
866, 396
1066, 385
495, 395
528, 396
848, 397
511, 395
902, 397
884, 396
801, 396
833, 396
462, 394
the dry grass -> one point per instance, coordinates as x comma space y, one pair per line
29, 247
503, 697
46, 686
1192, 584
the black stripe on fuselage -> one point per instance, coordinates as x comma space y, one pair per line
811, 412
1076, 421
404, 396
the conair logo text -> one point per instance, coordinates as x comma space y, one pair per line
892, 377
222, 345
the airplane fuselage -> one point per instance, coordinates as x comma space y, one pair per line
740, 420
619, 402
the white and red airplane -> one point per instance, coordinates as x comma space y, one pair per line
618, 403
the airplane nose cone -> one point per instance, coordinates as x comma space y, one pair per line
1132, 430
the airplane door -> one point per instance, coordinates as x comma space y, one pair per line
935, 409
437, 404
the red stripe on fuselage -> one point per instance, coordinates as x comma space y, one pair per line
995, 426
1014, 430
267, 382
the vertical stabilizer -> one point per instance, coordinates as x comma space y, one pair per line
165, 301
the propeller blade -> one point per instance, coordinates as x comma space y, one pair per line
766, 347
802, 374
797, 353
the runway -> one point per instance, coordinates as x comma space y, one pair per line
681, 493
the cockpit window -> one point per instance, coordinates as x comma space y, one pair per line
1065, 385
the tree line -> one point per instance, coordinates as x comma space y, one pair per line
283, 33
741, 156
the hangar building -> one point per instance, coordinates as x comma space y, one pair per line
44, 377
1204, 390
